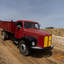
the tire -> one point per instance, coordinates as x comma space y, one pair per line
23, 48
4, 35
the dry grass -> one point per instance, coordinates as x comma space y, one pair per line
57, 32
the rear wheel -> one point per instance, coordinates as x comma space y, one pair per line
4, 35
23, 48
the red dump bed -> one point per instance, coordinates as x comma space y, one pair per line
8, 26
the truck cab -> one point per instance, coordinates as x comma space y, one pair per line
23, 26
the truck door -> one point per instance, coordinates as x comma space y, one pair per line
19, 30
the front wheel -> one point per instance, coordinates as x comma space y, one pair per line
23, 48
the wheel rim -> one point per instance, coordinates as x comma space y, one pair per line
23, 48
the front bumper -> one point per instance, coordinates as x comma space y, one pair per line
43, 49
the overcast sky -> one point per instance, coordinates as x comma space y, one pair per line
46, 12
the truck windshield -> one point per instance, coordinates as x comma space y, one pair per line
31, 25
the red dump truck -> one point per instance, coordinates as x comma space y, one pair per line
27, 35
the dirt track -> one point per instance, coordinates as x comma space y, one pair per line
10, 54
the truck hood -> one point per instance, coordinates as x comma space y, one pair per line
37, 32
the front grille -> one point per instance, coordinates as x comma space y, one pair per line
47, 41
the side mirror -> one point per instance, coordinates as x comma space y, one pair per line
19, 27
16, 23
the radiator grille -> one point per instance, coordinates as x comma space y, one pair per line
47, 41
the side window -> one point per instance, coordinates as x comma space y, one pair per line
20, 24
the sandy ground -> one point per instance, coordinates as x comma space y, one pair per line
10, 54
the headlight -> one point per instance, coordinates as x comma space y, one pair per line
33, 43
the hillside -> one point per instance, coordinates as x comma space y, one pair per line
57, 32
